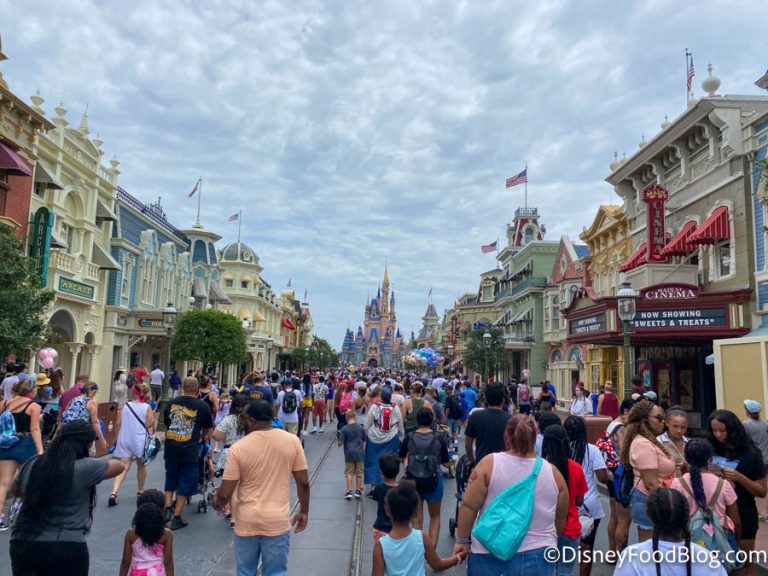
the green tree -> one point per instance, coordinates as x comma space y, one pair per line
476, 352
209, 336
23, 323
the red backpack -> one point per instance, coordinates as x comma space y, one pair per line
384, 421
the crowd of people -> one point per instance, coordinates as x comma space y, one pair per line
529, 476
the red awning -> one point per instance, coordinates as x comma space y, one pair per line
639, 256
285, 323
716, 228
465, 327
12, 162
681, 244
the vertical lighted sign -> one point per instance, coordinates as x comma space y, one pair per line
656, 197
40, 243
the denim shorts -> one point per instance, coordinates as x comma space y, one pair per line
637, 501
437, 494
529, 563
20, 452
181, 477
453, 424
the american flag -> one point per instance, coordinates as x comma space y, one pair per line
489, 247
521, 178
691, 72
194, 190
234, 217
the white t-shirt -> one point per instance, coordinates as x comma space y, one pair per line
636, 560
156, 377
8, 384
439, 383
593, 460
293, 416
321, 391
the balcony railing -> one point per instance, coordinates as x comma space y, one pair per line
532, 282
526, 211
70, 264
520, 338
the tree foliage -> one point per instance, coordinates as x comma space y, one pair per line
209, 336
309, 357
23, 322
476, 353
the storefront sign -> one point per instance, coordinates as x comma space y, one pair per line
656, 197
69, 286
146, 323
694, 318
40, 243
588, 324
671, 292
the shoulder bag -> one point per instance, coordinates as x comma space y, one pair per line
152, 444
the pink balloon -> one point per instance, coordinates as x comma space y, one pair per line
47, 362
42, 354
53, 354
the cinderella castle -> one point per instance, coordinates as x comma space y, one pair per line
378, 342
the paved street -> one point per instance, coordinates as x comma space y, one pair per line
337, 541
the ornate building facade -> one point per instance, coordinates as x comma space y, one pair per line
378, 342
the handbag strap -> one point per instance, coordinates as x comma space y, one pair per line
137, 418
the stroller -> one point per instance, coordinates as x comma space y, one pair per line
463, 470
205, 485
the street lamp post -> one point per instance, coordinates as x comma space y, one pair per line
169, 321
321, 360
306, 356
487, 338
626, 300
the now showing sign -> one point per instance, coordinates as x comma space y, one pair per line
693, 318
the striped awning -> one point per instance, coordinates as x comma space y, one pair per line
715, 229
681, 244
639, 257
216, 294
466, 326
198, 287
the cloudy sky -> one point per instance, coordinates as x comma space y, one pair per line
351, 133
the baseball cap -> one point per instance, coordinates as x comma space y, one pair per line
752, 406
650, 395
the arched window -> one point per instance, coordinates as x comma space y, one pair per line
529, 234
557, 356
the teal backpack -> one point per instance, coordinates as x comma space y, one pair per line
504, 524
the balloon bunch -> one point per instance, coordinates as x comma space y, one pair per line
47, 357
423, 357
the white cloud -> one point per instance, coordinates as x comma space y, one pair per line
350, 134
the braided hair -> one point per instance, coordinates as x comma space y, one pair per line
698, 452
668, 511
577, 433
50, 479
637, 425
555, 450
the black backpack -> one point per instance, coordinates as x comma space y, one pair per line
423, 468
289, 402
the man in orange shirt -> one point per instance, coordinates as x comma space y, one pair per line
259, 467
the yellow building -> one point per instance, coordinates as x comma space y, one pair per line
610, 244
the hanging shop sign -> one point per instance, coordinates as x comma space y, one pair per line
656, 197
147, 323
40, 243
69, 286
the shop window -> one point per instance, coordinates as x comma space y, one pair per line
228, 283
594, 373
723, 259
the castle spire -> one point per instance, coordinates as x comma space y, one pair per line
385, 283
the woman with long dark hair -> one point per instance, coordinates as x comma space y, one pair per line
593, 465
555, 449
651, 465
737, 459
670, 542
58, 491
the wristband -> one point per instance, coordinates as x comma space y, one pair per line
460, 540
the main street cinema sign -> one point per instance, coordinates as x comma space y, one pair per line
687, 318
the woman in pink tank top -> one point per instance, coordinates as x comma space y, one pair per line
489, 479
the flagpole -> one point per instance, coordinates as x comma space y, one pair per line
687, 92
526, 185
239, 222
199, 193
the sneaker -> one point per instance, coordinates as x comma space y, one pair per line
358, 494
303, 432
321, 430
112, 500
314, 431
178, 523
4, 526
348, 495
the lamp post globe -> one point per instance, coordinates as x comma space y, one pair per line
626, 304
